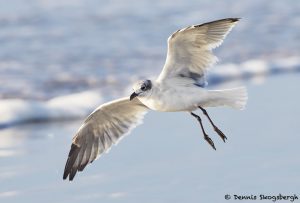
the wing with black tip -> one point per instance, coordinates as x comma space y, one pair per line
190, 50
103, 128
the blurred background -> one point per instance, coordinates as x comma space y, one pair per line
61, 59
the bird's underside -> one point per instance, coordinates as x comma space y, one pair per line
188, 59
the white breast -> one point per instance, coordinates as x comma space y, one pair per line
168, 98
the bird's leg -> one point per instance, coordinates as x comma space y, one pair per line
220, 133
204, 133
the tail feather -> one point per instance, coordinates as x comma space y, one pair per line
235, 98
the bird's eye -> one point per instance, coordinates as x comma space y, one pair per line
143, 87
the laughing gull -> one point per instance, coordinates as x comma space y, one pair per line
179, 87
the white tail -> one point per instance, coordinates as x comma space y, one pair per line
235, 98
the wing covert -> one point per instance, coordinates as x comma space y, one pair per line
190, 49
102, 128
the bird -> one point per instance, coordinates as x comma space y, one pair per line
180, 87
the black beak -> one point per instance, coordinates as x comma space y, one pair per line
132, 96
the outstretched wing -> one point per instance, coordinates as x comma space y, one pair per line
102, 128
190, 49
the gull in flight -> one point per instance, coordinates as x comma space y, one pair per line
179, 87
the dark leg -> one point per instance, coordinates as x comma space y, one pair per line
204, 133
220, 133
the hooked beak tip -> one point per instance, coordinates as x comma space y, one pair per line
132, 96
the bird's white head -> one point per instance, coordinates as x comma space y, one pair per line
141, 88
